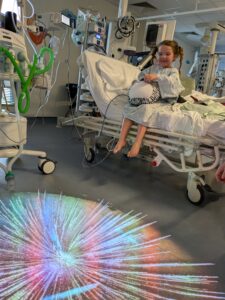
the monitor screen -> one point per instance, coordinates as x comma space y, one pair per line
151, 35
65, 20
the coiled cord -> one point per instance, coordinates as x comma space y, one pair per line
125, 27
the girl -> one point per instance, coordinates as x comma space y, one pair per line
161, 81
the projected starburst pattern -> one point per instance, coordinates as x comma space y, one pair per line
57, 247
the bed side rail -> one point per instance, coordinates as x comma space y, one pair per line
159, 141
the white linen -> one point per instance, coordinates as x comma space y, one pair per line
162, 116
99, 69
157, 115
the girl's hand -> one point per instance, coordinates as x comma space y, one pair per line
150, 77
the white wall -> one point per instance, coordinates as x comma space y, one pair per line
58, 101
189, 53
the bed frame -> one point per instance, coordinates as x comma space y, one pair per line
183, 153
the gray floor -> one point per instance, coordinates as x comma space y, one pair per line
126, 185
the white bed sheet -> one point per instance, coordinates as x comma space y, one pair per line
109, 81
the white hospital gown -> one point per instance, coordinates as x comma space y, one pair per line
168, 80
169, 85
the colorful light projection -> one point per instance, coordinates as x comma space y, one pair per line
56, 247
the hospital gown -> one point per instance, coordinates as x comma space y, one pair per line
169, 85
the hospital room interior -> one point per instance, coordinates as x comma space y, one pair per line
112, 149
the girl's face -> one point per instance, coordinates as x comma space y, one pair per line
165, 56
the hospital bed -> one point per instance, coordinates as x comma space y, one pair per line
182, 139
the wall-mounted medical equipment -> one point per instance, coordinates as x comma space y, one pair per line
206, 72
119, 36
208, 61
219, 84
120, 32
68, 18
149, 34
90, 30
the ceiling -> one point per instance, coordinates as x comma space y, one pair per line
189, 27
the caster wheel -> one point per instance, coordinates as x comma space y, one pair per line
10, 179
46, 166
196, 195
89, 154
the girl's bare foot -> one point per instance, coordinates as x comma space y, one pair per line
119, 146
134, 151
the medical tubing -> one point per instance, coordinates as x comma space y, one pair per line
34, 70
56, 76
99, 134
50, 62
105, 114
32, 9
12, 18
29, 40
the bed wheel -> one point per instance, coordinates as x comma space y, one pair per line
46, 166
89, 154
196, 194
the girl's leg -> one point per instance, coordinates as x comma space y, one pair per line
135, 149
123, 135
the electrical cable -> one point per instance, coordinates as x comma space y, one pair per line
52, 85
105, 113
125, 27
99, 134
68, 82
56, 76
22, 24
6, 135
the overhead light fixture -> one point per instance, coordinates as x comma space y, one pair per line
183, 13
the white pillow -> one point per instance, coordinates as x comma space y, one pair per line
141, 89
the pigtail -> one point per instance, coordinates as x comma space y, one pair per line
181, 55
154, 51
